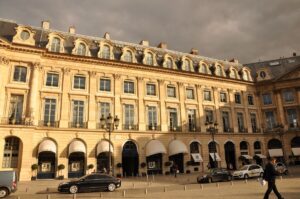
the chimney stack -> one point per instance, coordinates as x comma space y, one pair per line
46, 25
162, 45
144, 43
107, 36
72, 29
294, 54
194, 51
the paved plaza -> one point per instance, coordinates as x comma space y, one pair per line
184, 186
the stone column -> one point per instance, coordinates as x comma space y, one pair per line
184, 122
247, 114
259, 119
33, 95
92, 106
4, 76
201, 120
163, 112
118, 105
232, 110
65, 100
141, 105
217, 108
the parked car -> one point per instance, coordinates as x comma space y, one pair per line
281, 168
248, 171
91, 182
215, 175
8, 182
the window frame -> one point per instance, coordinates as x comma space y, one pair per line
250, 98
209, 96
238, 98
79, 86
103, 79
126, 87
51, 83
225, 94
192, 90
21, 77
169, 91
150, 92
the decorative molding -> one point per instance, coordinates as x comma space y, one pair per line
140, 78
117, 76
66, 70
180, 83
92, 73
161, 81
12, 132
4, 60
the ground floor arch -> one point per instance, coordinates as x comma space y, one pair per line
130, 159
295, 145
214, 157
177, 149
103, 153
230, 157
76, 159
12, 153
154, 156
47, 159
275, 149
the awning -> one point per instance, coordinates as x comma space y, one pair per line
47, 145
213, 155
261, 156
275, 152
103, 146
176, 147
155, 147
248, 157
296, 151
77, 146
197, 157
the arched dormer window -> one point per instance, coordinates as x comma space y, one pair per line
128, 56
169, 63
81, 49
219, 71
55, 45
149, 59
105, 54
187, 65
203, 68
233, 74
245, 75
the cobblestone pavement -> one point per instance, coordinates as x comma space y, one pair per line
184, 186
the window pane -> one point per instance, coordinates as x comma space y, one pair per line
79, 82
190, 93
105, 85
151, 90
171, 91
129, 87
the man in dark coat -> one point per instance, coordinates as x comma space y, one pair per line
270, 176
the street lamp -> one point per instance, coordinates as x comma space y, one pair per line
212, 128
109, 125
279, 128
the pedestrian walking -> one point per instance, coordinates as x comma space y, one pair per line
270, 176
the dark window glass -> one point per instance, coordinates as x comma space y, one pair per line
79, 82
151, 89
20, 74
250, 100
171, 91
237, 98
223, 97
129, 87
267, 99
190, 93
288, 96
207, 95
105, 85
52, 79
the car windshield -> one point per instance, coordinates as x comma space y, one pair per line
243, 168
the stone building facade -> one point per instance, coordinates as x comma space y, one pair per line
55, 87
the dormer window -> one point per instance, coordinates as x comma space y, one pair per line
55, 45
203, 69
81, 49
149, 59
25, 35
219, 71
245, 75
187, 65
105, 52
128, 56
233, 74
169, 63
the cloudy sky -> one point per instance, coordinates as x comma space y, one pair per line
249, 30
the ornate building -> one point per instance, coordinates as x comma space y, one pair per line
55, 87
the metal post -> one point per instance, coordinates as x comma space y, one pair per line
213, 138
109, 150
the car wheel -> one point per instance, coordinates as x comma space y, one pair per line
261, 174
3, 192
246, 176
229, 178
73, 189
111, 187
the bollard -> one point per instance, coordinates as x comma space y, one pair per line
165, 189
26, 189
48, 196
246, 181
147, 177
19, 197
153, 178
74, 196
184, 187
218, 185
280, 177
101, 196
146, 191
124, 193
231, 183
47, 189
133, 185
201, 186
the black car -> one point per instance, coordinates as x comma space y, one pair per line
215, 175
91, 182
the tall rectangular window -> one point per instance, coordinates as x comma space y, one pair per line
190, 93
152, 118
253, 122
250, 100
173, 120
223, 97
129, 116
270, 119
288, 96
240, 120
209, 117
104, 109
78, 113
192, 119
105, 85
151, 89
225, 120
49, 112
267, 99
171, 91
129, 87
237, 98
207, 96
20, 74
79, 82
52, 79
292, 117
16, 109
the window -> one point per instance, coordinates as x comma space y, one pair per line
240, 120
52, 79
207, 95
16, 109
288, 96
79, 82
169, 63
25, 35
225, 120
173, 120
245, 75
223, 97
262, 74
11, 152
81, 49
151, 89
190, 93
49, 112
20, 74
292, 117
218, 71
171, 91
152, 118
149, 59
209, 117
55, 45
104, 109
270, 119
250, 100
203, 69
187, 65
129, 87
237, 98
105, 85
129, 116
192, 119
78, 112
128, 56
267, 99
105, 52
253, 122
233, 74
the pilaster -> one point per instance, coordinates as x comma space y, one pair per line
141, 105
232, 110
163, 113
118, 91
200, 107
65, 100
92, 101
33, 95
184, 122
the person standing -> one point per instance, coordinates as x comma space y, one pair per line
270, 176
175, 168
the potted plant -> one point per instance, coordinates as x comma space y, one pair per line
60, 168
90, 166
119, 165
143, 165
34, 169
167, 164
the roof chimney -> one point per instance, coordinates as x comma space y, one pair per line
294, 54
162, 45
106, 36
46, 25
144, 43
72, 29
194, 51
234, 60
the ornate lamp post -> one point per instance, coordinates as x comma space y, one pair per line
212, 128
279, 128
109, 124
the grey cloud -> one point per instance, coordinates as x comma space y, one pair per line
245, 29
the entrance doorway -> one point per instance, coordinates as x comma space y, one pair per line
154, 164
103, 161
230, 155
130, 159
178, 160
76, 164
46, 165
